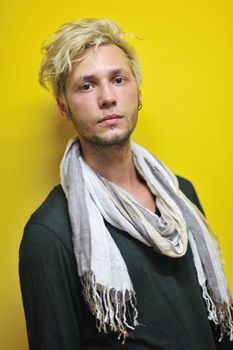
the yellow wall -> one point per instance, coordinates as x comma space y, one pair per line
186, 118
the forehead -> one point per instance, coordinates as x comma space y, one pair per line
98, 62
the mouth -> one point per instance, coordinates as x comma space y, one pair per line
110, 119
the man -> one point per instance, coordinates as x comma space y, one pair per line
118, 256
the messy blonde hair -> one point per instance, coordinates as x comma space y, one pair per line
68, 45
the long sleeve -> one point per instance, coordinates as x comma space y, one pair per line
57, 316
48, 281
190, 192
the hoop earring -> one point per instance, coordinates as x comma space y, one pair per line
139, 105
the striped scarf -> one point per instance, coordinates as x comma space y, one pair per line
107, 286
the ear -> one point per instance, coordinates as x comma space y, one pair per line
62, 108
139, 95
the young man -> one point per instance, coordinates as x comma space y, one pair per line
119, 255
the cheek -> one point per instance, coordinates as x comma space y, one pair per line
132, 95
83, 105
76, 108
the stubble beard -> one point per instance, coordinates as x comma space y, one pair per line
105, 143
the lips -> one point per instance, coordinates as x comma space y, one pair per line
110, 118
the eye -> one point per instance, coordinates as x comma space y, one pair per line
119, 80
86, 87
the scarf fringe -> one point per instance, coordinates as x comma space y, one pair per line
114, 309
219, 313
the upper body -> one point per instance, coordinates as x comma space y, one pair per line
112, 185
172, 314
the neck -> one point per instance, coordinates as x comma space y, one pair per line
114, 162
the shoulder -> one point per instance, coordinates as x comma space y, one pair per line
50, 221
185, 185
48, 212
47, 265
188, 189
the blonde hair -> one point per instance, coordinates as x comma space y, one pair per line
68, 44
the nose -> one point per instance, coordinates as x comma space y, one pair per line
107, 96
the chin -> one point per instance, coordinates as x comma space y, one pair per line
113, 140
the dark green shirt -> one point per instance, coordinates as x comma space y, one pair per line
172, 313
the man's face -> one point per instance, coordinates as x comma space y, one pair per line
102, 96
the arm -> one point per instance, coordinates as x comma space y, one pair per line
188, 189
49, 287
